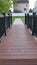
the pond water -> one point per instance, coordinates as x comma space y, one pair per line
18, 14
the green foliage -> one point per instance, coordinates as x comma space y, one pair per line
14, 1
21, 17
30, 10
5, 6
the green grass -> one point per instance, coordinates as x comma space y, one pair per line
21, 17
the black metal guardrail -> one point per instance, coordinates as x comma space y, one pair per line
5, 22
31, 22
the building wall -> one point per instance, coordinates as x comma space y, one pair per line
21, 7
35, 7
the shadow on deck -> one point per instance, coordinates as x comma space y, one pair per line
18, 47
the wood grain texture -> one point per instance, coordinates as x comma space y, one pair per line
18, 47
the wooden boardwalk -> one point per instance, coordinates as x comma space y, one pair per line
18, 47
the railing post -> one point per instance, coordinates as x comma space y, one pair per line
10, 17
4, 22
28, 20
25, 18
9, 20
33, 24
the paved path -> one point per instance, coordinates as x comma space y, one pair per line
18, 21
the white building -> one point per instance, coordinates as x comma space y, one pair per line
22, 6
35, 7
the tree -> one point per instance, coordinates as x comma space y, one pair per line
14, 1
30, 10
5, 6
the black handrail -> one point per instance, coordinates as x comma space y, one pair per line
5, 22
31, 22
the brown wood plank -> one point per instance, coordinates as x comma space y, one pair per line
18, 62
18, 44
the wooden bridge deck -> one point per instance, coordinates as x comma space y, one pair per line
18, 47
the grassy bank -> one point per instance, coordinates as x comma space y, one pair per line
21, 17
